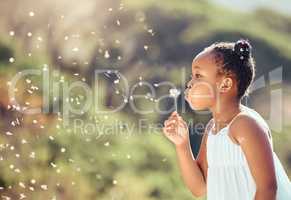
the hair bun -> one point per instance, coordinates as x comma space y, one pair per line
243, 49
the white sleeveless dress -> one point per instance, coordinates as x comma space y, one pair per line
229, 177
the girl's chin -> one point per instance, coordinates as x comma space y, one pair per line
197, 106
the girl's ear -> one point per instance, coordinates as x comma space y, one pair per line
226, 84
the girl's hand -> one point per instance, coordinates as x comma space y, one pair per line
176, 130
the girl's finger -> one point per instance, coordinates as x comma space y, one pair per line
172, 117
174, 113
171, 128
181, 120
175, 122
167, 122
172, 122
169, 132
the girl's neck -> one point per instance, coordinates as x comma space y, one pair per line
224, 112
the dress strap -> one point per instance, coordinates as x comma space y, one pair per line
231, 121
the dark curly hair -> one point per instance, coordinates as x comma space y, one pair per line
235, 58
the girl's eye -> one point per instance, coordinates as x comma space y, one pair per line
198, 75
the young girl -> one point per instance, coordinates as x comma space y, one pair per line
236, 160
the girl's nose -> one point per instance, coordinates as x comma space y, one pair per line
189, 84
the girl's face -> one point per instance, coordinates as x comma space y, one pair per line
201, 92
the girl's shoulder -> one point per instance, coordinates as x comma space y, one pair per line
253, 115
249, 122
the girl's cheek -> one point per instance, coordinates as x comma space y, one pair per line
203, 92
197, 90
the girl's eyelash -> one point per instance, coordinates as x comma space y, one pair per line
198, 75
191, 78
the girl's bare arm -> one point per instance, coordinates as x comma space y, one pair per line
193, 171
253, 140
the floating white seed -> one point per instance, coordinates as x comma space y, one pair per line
31, 13
11, 33
11, 60
106, 54
44, 187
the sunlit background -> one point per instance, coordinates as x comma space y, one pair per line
144, 40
